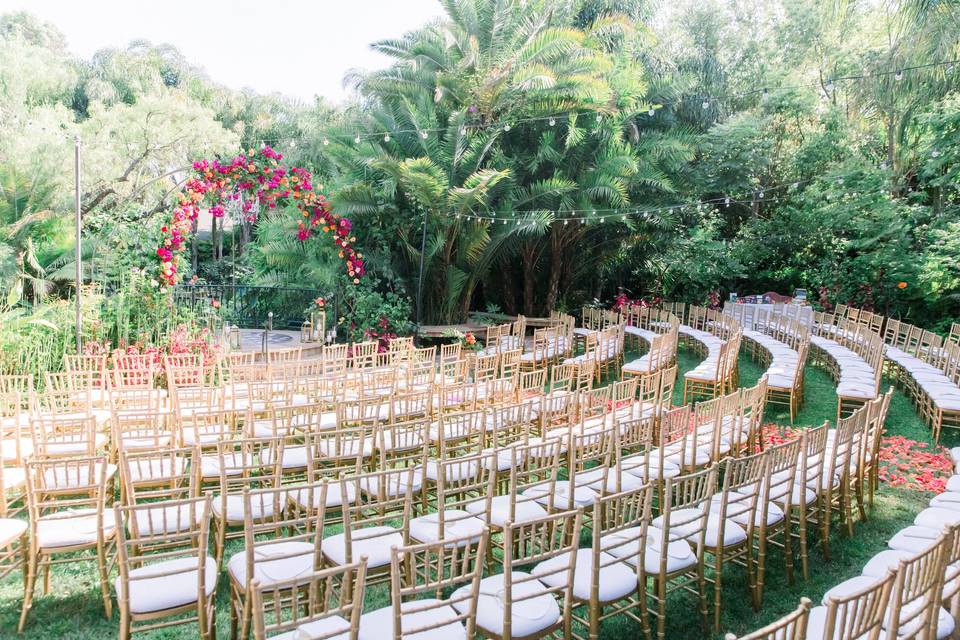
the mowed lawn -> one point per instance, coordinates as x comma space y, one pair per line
73, 609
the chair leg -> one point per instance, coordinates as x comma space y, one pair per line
31, 583
104, 582
717, 590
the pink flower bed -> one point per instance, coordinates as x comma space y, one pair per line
906, 463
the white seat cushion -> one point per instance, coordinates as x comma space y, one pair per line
616, 579
10, 530
156, 468
583, 496
165, 519
260, 509
396, 484
888, 559
373, 542
526, 509
335, 491
937, 518
323, 628
163, 592
914, 539
848, 587
274, 562
74, 527
817, 626
530, 616
456, 524
680, 555
414, 614
733, 533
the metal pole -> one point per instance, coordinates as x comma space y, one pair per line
423, 250
78, 255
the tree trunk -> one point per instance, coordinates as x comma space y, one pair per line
528, 263
891, 155
556, 266
506, 285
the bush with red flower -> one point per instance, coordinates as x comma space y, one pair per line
254, 180
369, 313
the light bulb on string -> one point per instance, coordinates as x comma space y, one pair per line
760, 194
386, 137
463, 131
423, 134
726, 201
624, 218
829, 85
356, 139
506, 127
766, 92
599, 117
899, 75
935, 153
705, 105
552, 122
326, 142
651, 112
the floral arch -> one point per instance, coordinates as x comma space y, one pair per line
256, 178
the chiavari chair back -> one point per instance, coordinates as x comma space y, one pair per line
167, 574
792, 626
316, 605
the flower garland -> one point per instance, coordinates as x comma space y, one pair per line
269, 184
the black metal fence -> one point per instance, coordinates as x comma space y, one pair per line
248, 305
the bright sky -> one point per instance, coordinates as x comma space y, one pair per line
245, 43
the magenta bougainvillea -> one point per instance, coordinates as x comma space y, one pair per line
255, 178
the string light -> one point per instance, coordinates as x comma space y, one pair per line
386, 137
356, 140
326, 142
705, 105
553, 122
506, 127
423, 134
899, 76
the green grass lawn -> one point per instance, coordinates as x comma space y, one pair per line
73, 607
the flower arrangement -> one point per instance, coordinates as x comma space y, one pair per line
267, 183
468, 341
179, 341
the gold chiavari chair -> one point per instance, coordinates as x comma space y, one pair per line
517, 604
67, 436
16, 441
372, 526
14, 544
857, 614
450, 352
731, 525
241, 467
401, 445
430, 570
807, 488
133, 371
314, 605
916, 596
610, 573
167, 575
205, 429
69, 522
88, 374
678, 538
132, 431
363, 355
60, 400
535, 464
165, 474
773, 526
279, 545
459, 481
792, 626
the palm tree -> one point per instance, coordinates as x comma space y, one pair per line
501, 107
